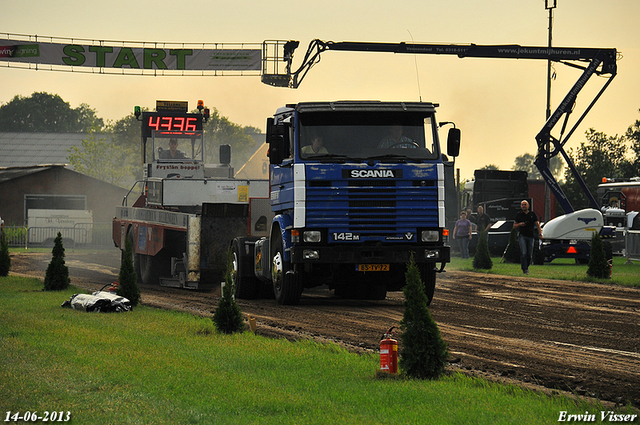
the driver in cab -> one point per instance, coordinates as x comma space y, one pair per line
316, 146
395, 139
173, 152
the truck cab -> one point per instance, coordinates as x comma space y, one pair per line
181, 224
357, 189
173, 155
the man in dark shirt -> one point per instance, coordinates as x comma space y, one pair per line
525, 222
173, 152
483, 220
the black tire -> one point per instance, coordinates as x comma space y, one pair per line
428, 274
608, 250
287, 286
246, 287
538, 255
154, 266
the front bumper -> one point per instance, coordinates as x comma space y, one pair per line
354, 254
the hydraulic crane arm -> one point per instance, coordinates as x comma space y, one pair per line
590, 60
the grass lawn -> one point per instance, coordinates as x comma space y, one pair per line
153, 366
561, 269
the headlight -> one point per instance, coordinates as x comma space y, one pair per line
430, 236
312, 236
310, 254
432, 254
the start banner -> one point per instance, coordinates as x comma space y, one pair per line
103, 55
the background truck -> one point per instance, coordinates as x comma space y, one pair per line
620, 204
618, 198
75, 226
500, 192
187, 212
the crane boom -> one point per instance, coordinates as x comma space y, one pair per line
598, 61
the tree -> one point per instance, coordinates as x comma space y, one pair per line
632, 137
490, 167
423, 354
128, 278
251, 130
525, 162
105, 161
482, 259
125, 134
44, 112
87, 118
56, 277
599, 156
598, 265
5, 259
228, 317
220, 131
126, 131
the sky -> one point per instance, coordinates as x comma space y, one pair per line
499, 104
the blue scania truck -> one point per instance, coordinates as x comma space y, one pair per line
356, 189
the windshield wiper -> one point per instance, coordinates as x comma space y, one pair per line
394, 156
330, 156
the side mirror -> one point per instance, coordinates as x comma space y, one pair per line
453, 142
225, 154
276, 142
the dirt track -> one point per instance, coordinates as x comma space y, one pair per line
572, 336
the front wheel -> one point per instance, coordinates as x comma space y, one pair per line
246, 287
287, 286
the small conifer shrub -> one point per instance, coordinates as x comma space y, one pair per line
423, 353
5, 259
56, 277
599, 267
128, 278
228, 317
482, 259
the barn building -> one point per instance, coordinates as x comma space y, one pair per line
34, 174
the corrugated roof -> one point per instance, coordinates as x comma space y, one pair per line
17, 172
27, 149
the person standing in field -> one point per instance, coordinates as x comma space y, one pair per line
526, 220
462, 233
483, 220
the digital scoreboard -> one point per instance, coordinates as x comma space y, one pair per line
172, 119
167, 124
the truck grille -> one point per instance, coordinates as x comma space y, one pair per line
372, 208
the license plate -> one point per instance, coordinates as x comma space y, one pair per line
372, 267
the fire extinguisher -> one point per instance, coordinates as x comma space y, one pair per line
389, 353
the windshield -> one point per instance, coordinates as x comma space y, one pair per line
178, 147
367, 135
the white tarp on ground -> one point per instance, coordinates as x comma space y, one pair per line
101, 301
